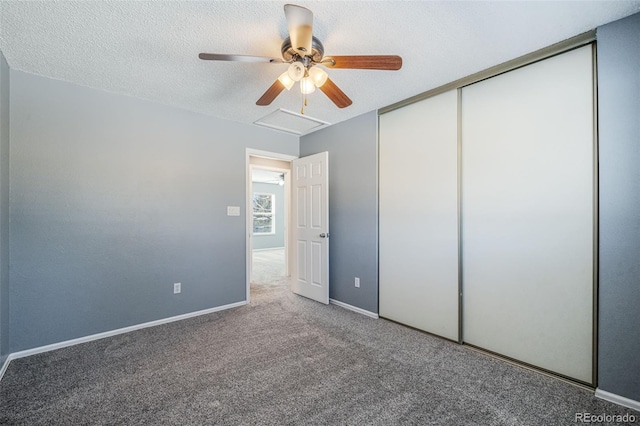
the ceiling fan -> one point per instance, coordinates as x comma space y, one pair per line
304, 52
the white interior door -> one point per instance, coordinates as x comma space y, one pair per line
310, 277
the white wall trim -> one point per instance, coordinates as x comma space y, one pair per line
617, 399
72, 342
270, 154
5, 366
353, 308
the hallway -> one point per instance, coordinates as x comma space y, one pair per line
268, 266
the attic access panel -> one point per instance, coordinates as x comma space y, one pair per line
290, 122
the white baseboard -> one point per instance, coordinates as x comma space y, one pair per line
5, 366
72, 342
617, 399
353, 308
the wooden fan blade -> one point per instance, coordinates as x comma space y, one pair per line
335, 94
300, 25
271, 93
365, 62
238, 58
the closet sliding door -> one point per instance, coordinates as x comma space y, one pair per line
418, 225
528, 214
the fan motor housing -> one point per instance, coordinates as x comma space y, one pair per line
289, 54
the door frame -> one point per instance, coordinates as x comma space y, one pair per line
249, 211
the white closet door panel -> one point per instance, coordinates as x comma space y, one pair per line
418, 215
527, 214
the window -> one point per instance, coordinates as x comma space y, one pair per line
263, 214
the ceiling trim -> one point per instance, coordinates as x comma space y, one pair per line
538, 55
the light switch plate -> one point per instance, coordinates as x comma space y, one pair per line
233, 210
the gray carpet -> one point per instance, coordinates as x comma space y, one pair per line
283, 360
268, 266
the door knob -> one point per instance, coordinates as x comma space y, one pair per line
323, 235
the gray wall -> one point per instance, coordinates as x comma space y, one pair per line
4, 209
277, 239
619, 140
113, 200
353, 207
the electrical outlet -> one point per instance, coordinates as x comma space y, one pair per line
357, 282
177, 288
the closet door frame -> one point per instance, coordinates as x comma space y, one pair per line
584, 39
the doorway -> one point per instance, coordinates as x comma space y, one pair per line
268, 206
268, 201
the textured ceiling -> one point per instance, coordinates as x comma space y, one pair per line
149, 49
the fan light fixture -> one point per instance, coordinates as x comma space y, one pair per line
318, 76
309, 78
296, 71
286, 80
306, 86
